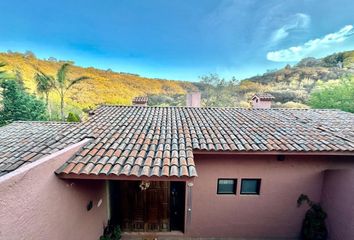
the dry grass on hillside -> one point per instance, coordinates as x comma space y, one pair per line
103, 87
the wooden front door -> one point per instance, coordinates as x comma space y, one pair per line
141, 210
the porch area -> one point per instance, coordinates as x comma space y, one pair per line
144, 208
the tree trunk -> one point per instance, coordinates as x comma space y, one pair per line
47, 104
62, 108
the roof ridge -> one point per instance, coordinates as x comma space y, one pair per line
55, 122
241, 108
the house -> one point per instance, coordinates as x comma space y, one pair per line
177, 172
262, 100
140, 101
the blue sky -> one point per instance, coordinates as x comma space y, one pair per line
177, 39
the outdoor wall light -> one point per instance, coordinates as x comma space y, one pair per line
280, 158
190, 184
99, 202
144, 185
89, 206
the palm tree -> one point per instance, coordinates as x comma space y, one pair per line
61, 84
44, 86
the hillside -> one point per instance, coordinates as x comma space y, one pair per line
103, 87
292, 85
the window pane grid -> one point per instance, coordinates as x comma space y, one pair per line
226, 186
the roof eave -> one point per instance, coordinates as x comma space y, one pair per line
313, 153
123, 177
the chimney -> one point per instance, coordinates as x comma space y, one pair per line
262, 100
193, 99
140, 101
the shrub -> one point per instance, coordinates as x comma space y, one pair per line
334, 94
313, 226
111, 232
73, 117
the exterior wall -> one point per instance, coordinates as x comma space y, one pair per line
193, 99
36, 204
273, 213
337, 200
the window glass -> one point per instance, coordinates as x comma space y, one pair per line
250, 186
226, 186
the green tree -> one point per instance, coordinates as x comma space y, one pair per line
167, 100
44, 87
3, 74
61, 84
334, 94
18, 104
333, 60
218, 92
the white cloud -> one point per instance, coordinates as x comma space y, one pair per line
297, 21
312, 47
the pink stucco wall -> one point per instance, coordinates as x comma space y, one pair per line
258, 103
193, 99
338, 202
36, 204
273, 213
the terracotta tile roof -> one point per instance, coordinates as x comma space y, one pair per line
159, 141
263, 96
140, 100
25, 142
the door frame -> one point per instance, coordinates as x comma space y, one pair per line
185, 212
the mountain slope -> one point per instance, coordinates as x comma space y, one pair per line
103, 87
292, 85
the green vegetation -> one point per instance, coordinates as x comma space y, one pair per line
111, 232
2, 72
73, 117
218, 92
104, 86
317, 83
163, 100
292, 86
5, 76
61, 84
44, 85
337, 94
17, 104
313, 226
297, 86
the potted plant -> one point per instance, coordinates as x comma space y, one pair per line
313, 226
111, 232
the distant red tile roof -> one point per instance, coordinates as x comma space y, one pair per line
264, 96
140, 100
159, 141
25, 142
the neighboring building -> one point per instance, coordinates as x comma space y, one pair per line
194, 99
262, 100
178, 172
140, 101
